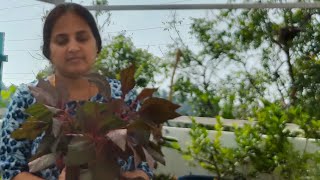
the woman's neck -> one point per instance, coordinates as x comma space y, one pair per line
79, 88
71, 83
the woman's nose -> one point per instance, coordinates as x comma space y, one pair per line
73, 46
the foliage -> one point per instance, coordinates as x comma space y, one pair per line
99, 133
48, 70
247, 55
6, 95
121, 53
209, 153
262, 147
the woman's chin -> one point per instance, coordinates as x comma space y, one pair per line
76, 73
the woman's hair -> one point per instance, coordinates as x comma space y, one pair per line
61, 10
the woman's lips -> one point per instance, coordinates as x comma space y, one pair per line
75, 59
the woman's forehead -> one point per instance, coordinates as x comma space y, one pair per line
70, 23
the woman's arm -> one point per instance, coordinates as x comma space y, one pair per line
14, 154
26, 176
134, 175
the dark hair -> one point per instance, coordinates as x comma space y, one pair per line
60, 10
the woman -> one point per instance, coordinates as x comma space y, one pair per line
71, 42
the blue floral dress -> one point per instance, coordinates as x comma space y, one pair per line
14, 155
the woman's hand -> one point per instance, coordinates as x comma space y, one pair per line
62, 175
134, 175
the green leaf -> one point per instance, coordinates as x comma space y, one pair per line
30, 130
40, 112
173, 145
170, 139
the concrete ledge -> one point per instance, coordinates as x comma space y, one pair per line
178, 166
185, 121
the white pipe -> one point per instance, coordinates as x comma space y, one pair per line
196, 6
204, 6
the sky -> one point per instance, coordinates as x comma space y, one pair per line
21, 21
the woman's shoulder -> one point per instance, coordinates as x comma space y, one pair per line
116, 92
115, 86
23, 93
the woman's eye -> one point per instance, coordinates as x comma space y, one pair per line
82, 38
61, 40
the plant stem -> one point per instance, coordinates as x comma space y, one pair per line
178, 56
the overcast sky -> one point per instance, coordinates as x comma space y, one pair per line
21, 21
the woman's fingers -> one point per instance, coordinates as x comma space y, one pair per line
62, 175
134, 175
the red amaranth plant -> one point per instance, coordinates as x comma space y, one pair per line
99, 133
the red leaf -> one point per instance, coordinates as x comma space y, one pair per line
157, 134
138, 154
45, 145
105, 166
72, 172
127, 79
146, 93
52, 95
44, 93
151, 162
56, 127
80, 151
42, 162
98, 118
119, 137
138, 133
155, 152
158, 110
101, 83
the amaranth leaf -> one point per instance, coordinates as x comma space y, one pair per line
42, 162
119, 137
151, 162
158, 110
98, 118
40, 112
44, 93
155, 152
146, 93
30, 130
102, 84
127, 79
80, 151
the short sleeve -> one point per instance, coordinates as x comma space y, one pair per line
14, 154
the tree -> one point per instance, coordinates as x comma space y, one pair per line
120, 53
250, 55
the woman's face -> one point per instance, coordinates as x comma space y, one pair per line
73, 48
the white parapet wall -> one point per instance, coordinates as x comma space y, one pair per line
176, 165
